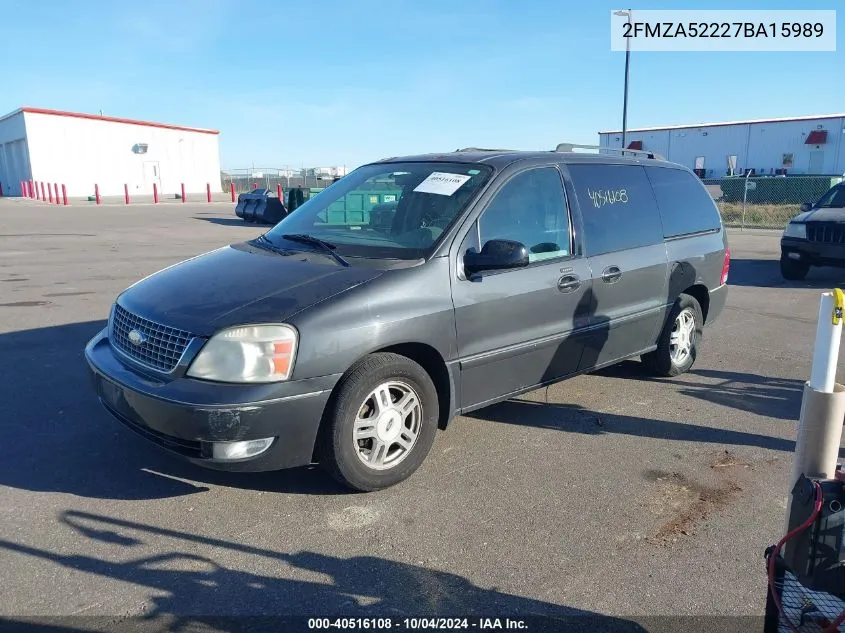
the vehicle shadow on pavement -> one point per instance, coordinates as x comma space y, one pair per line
765, 273
778, 398
576, 419
234, 222
58, 438
195, 590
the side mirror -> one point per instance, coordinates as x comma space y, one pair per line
496, 255
806, 206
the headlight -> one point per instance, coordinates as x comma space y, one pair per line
253, 353
796, 229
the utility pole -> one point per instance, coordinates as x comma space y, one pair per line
625, 13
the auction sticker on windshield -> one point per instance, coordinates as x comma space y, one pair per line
441, 183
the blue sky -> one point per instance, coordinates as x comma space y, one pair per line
341, 82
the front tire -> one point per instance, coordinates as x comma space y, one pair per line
677, 347
380, 424
792, 270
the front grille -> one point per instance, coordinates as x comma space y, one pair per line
162, 348
826, 233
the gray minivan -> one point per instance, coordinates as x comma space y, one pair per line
348, 342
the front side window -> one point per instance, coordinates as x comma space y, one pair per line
531, 209
386, 211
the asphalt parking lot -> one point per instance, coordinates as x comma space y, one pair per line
607, 494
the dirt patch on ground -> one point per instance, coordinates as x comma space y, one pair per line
728, 460
693, 503
683, 503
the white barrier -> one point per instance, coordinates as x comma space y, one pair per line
820, 423
826, 350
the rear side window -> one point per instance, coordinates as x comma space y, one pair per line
618, 207
684, 204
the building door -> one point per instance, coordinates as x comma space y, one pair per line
816, 165
152, 174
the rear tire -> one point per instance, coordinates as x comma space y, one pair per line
380, 423
678, 344
792, 270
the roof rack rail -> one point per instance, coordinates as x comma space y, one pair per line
568, 147
482, 149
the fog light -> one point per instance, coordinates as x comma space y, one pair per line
794, 255
240, 450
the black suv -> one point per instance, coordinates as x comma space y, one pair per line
816, 236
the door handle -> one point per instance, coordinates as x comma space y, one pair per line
569, 283
611, 274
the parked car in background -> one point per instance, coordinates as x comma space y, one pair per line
349, 333
816, 236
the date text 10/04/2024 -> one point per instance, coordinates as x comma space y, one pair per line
417, 624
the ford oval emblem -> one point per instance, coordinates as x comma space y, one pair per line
136, 338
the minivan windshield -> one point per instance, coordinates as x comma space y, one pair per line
383, 211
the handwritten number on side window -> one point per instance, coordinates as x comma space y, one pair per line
602, 197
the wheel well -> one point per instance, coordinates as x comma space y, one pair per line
430, 360
434, 365
702, 295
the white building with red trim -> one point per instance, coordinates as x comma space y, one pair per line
81, 151
799, 145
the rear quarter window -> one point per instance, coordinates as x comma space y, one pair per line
684, 204
617, 206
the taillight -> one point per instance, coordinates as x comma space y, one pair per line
726, 267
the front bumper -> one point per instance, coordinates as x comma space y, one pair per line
186, 416
813, 253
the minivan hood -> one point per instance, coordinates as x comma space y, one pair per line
239, 284
833, 214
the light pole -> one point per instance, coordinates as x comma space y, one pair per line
625, 13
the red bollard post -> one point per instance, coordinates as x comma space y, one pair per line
208, 191
279, 191
37, 195
183, 192
126, 193
64, 195
43, 195
97, 193
254, 186
31, 189
49, 193
20, 183
56, 188
232, 189
155, 193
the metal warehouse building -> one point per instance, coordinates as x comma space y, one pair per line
80, 151
811, 145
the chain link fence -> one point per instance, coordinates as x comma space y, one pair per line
245, 180
765, 202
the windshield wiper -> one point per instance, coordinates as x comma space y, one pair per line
327, 247
265, 242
